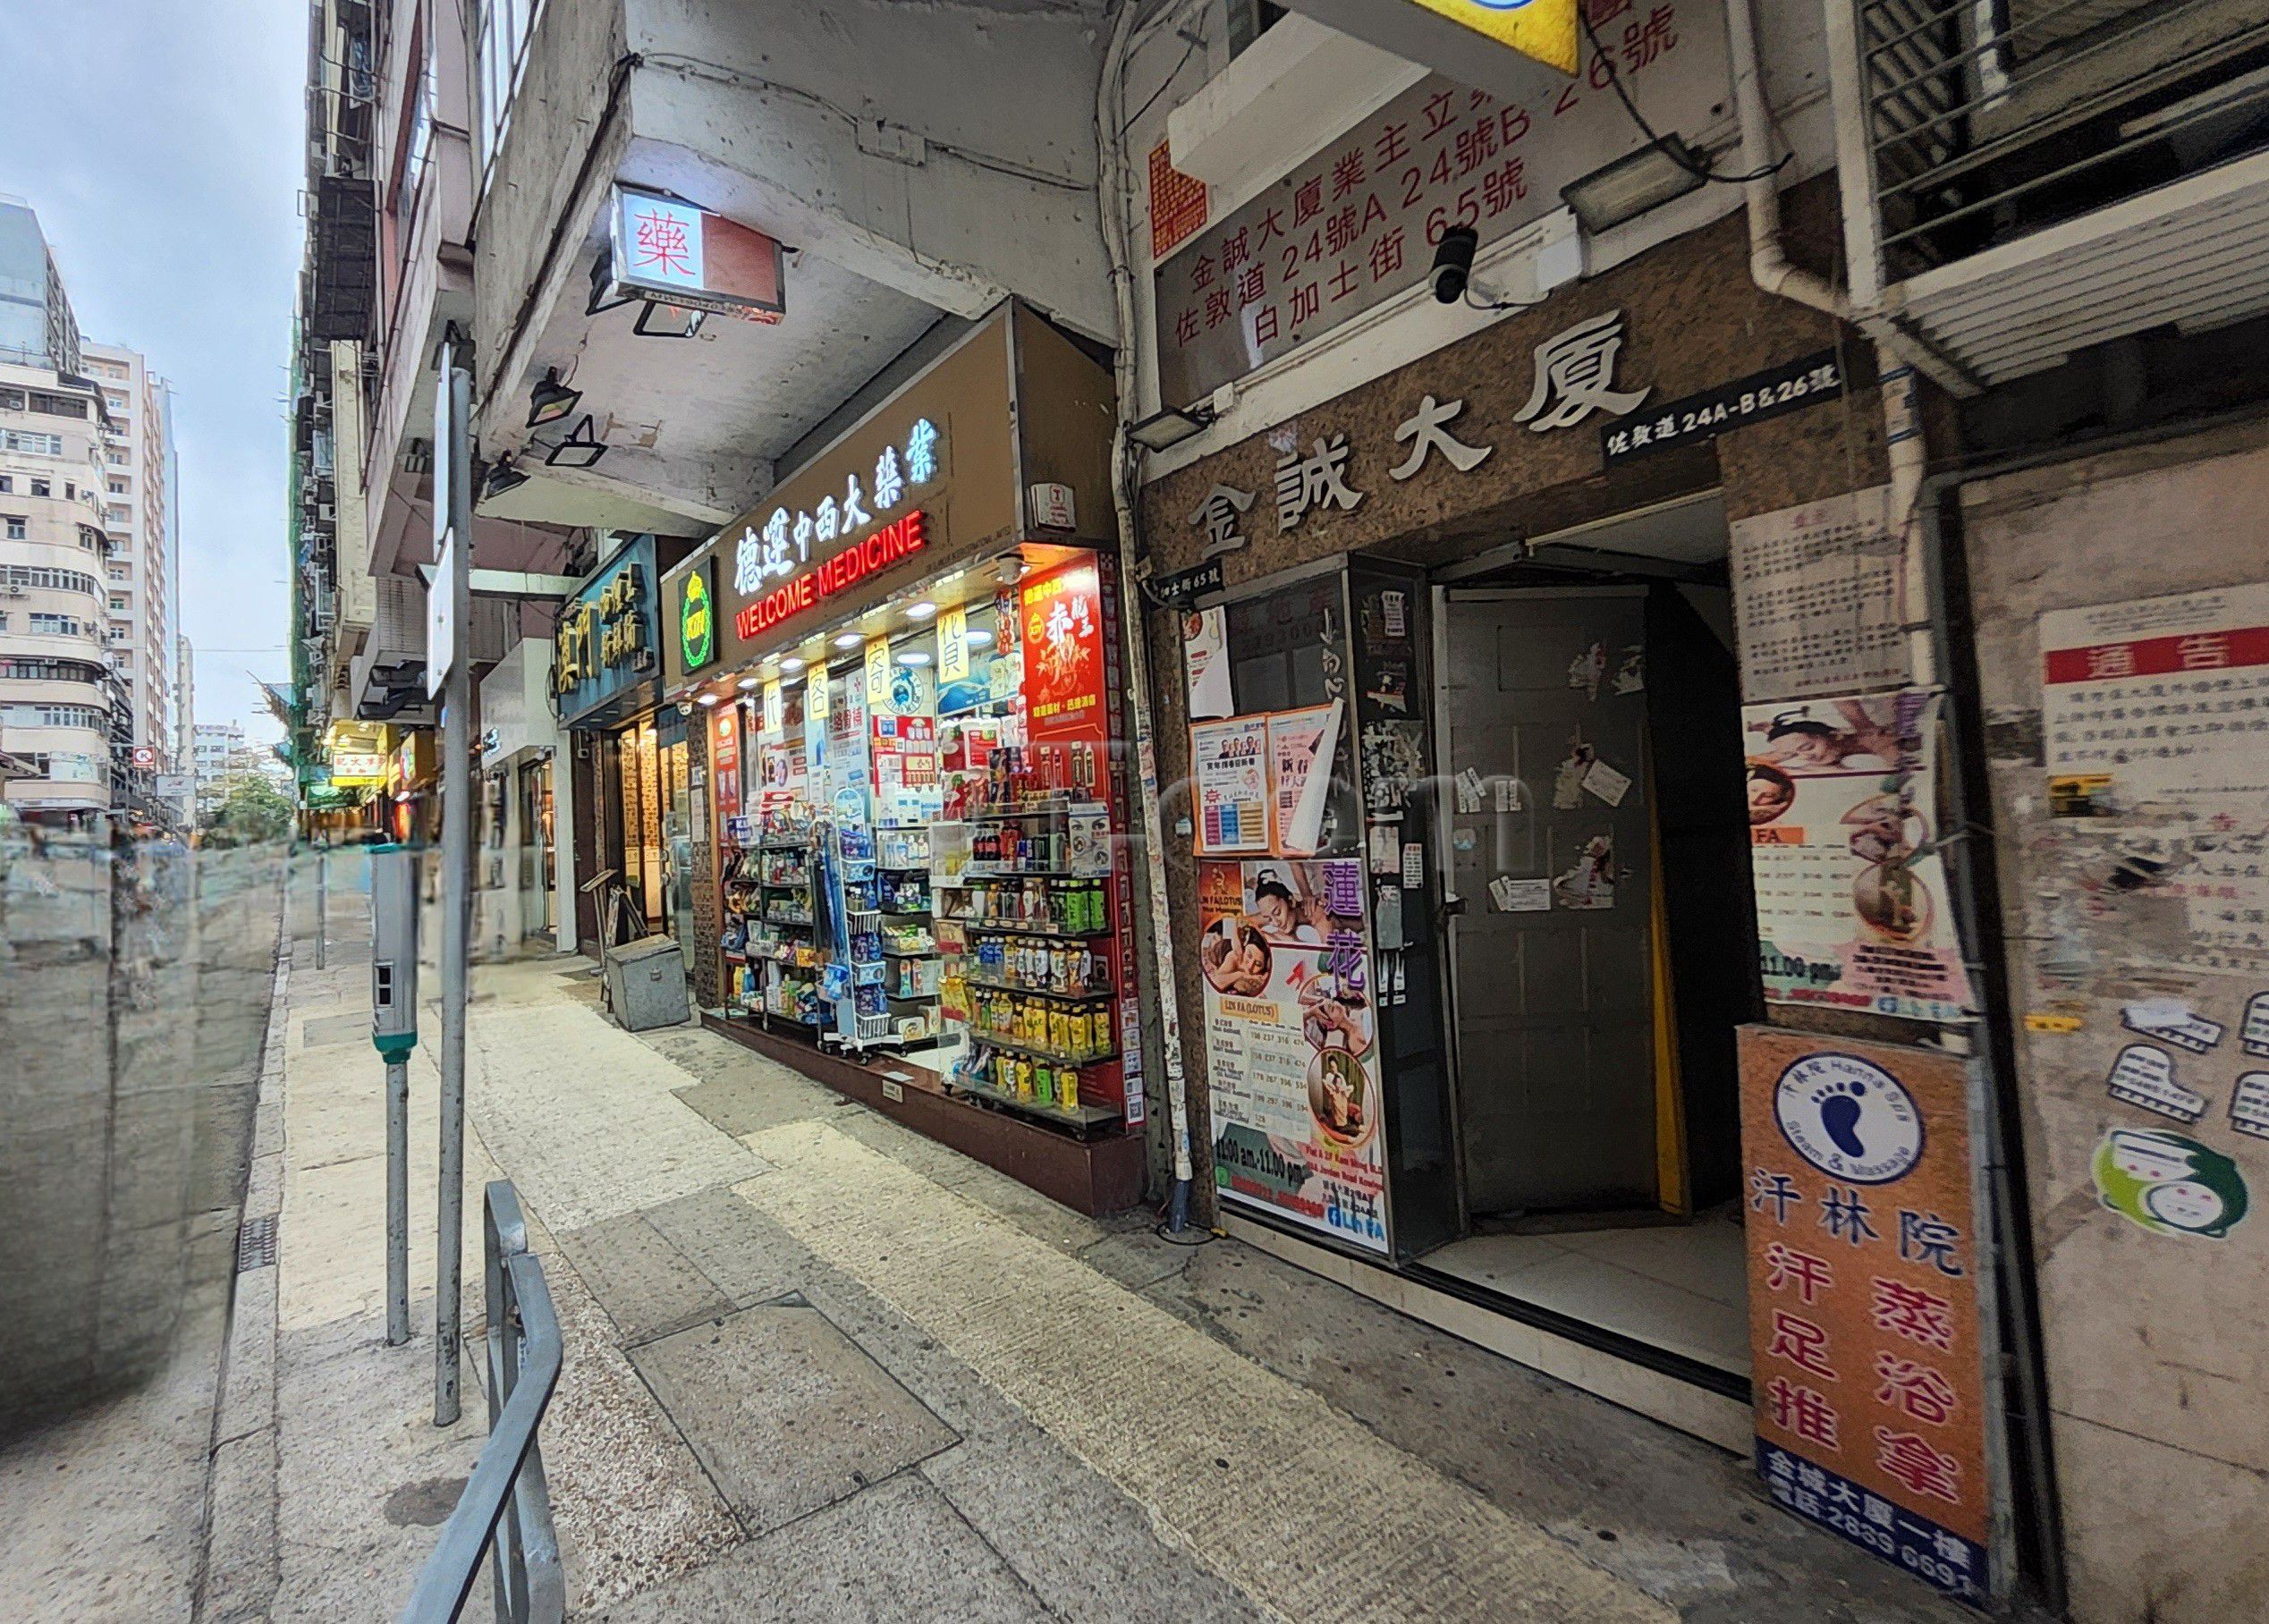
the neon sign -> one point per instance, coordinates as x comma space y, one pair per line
901, 538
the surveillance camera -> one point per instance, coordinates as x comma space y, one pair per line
1453, 263
685, 708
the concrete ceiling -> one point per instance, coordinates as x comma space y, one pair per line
693, 425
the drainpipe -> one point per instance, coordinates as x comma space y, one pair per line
1111, 203
1913, 503
1897, 356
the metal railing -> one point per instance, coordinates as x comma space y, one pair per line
1985, 118
506, 1508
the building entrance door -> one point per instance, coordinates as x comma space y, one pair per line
1546, 828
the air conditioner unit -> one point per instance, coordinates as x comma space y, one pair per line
11, 590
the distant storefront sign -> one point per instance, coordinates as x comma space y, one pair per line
680, 254
1355, 226
605, 662
1868, 1343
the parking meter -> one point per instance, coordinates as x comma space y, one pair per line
393, 949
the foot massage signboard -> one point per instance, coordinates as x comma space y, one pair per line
1292, 1044
1867, 1335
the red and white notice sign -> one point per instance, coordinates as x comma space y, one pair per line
2159, 700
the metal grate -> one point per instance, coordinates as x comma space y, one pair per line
1987, 121
256, 1244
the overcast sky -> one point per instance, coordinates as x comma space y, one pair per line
159, 142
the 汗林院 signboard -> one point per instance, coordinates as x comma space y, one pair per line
1867, 1341
1355, 226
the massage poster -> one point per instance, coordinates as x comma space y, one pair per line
1852, 908
1292, 1044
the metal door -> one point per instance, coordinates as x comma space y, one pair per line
1544, 796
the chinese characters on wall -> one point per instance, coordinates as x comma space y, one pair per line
1356, 224
1574, 378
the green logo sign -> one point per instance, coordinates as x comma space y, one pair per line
697, 621
2168, 1184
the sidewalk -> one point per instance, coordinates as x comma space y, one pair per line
820, 1368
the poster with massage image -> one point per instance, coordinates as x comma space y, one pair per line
1851, 905
1291, 1043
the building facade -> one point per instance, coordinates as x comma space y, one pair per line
140, 514
1636, 802
65, 710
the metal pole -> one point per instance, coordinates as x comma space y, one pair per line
322, 909
456, 882
397, 1202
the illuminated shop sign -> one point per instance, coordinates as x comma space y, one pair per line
668, 249
698, 616
902, 538
603, 633
785, 545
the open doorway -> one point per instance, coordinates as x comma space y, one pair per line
1600, 947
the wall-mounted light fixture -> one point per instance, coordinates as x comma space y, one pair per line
580, 449
551, 400
675, 322
1171, 427
1631, 185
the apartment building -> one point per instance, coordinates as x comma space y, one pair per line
142, 516
66, 712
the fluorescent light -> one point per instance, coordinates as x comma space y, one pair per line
746, 683
708, 700
914, 656
1171, 427
1630, 186
792, 666
978, 640
921, 610
848, 639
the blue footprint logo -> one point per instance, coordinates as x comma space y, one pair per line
1840, 1115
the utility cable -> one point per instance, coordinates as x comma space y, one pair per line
1701, 171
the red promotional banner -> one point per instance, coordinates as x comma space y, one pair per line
1865, 1331
1061, 622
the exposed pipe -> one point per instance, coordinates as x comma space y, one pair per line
1770, 269
1111, 204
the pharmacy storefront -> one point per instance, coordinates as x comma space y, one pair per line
904, 674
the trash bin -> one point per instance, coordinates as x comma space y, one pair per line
645, 983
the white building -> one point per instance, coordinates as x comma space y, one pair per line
138, 512
63, 708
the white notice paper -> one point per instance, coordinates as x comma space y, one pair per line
1609, 784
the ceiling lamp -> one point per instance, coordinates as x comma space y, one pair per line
848, 639
914, 656
921, 610
551, 401
792, 666
580, 449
